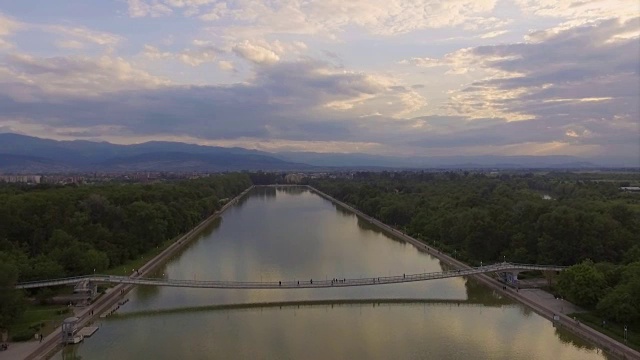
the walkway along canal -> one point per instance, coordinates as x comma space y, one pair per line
105, 302
615, 347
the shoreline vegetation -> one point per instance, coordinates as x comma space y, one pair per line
625, 209
106, 302
455, 214
61, 231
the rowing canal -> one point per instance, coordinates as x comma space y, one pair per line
278, 234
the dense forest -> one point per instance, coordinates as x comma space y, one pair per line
582, 220
557, 218
55, 231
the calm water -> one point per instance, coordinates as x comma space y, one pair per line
293, 234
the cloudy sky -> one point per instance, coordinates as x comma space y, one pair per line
403, 77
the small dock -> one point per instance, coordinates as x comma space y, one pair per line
114, 308
88, 331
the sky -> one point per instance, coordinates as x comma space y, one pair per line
392, 77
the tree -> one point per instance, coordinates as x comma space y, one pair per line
582, 284
11, 300
621, 304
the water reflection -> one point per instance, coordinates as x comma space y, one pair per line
572, 339
433, 329
293, 190
292, 233
263, 193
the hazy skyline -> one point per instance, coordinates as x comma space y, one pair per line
393, 77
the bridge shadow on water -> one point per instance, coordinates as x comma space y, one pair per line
477, 295
299, 304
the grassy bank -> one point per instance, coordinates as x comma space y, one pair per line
44, 318
38, 319
127, 268
611, 329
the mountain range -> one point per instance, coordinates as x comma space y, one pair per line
22, 154
27, 154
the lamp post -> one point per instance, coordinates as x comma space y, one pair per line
625, 333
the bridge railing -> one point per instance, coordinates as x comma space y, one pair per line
497, 267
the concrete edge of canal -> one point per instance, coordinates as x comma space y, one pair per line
610, 345
51, 344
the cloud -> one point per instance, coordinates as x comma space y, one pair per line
330, 17
255, 53
493, 34
424, 62
581, 83
570, 88
226, 65
152, 8
73, 37
8, 26
580, 9
191, 56
30, 78
84, 34
287, 101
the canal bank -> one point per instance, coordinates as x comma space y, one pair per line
293, 233
544, 308
106, 302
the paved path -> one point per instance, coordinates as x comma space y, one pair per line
558, 306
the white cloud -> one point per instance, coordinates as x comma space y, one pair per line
584, 80
226, 65
585, 10
8, 26
153, 8
329, 17
259, 54
493, 34
424, 62
287, 101
84, 34
72, 75
193, 57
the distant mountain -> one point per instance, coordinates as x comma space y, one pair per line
26, 154
20, 153
20, 163
180, 161
367, 161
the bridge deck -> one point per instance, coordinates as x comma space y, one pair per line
291, 284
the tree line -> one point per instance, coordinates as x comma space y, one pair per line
56, 231
556, 218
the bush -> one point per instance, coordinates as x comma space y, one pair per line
24, 335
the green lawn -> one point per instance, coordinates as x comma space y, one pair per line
612, 329
38, 319
126, 269
44, 318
